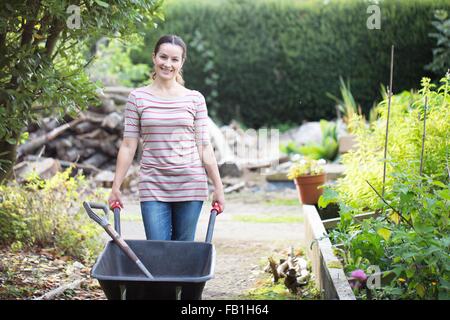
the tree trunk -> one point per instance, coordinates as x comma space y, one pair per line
10, 156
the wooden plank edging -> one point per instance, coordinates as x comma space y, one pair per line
328, 270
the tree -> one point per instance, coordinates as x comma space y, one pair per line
42, 65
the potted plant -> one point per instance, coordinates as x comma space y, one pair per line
308, 175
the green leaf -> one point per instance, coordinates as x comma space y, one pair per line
439, 184
101, 3
329, 196
385, 233
421, 290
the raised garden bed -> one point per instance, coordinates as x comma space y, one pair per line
326, 267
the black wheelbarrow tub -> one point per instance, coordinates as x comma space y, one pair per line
180, 270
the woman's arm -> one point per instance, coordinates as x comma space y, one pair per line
208, 158
124, 159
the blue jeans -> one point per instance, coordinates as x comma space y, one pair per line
170, 220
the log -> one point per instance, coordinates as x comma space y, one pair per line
282, 268
273, 268
45, 168
117, 98
99, 134
235, 187
32, 145
93, 117
60, 290
112, 121
125, 91
71, 155
108, 146
65, 164
84, 127
97, 160
107, 106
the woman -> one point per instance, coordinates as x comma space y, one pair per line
172, 121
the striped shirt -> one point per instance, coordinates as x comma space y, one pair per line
171, 129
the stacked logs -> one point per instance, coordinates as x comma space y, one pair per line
91, 140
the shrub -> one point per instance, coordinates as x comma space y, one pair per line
48, 213
410, 237
404, 145
276, 60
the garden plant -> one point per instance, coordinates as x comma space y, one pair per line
409, 237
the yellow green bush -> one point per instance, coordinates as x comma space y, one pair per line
49, 213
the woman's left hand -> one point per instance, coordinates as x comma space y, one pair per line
219, 196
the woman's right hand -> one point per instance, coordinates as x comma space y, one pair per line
115, 197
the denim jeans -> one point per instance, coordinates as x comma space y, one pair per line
170, 220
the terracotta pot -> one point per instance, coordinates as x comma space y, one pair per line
307, 187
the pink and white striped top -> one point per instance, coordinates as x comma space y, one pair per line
171, 129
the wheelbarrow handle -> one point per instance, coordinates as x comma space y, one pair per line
115, 207
88, 206
113, 233
215, 211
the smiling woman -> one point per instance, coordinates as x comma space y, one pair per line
168, 58
177, 156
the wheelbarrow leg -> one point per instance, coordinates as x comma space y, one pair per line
123, 292
178, 291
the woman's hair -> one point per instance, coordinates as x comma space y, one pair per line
175, 40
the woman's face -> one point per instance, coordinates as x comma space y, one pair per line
168, 61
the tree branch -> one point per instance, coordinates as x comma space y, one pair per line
396, 211
55, 30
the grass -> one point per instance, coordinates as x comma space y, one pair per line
128, 217
283, 202
267, 290
268, 218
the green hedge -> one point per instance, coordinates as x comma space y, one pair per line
272, 62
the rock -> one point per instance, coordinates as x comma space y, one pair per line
308, 132
45, 169
229, 169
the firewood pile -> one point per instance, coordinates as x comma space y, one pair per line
92, 140
293, 270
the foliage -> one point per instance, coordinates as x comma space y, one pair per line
267, 290
328, 148
441, 54
305, 167
404, 145
43, 63
277, 66
410, 235
113, 65
413, 243
202, 49
347, 104
48, 213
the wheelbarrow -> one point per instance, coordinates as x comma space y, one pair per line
179, 269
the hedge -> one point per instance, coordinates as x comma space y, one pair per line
265, 63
